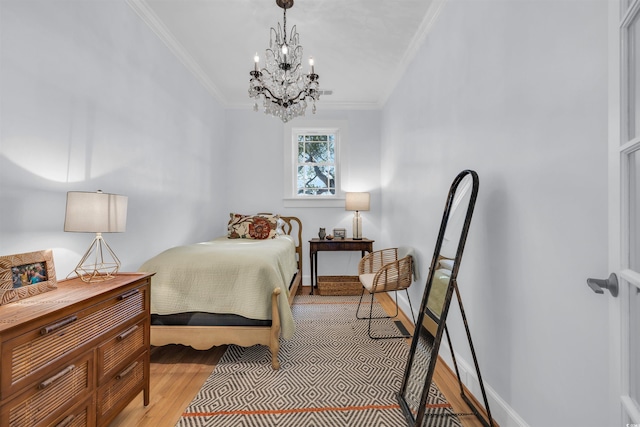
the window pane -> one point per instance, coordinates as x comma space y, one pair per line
634, 78
315, 138
316, 180
634, 211
317, 152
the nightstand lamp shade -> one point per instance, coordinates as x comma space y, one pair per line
96, 213
357, 202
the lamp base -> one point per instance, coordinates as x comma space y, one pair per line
357, 226
98, 270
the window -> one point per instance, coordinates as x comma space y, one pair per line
314, 169
316, 164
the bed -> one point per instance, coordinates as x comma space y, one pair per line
228, 290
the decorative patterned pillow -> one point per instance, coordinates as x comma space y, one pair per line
257, 227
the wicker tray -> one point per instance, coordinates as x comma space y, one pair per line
339, 285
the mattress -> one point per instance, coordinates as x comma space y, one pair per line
225, 276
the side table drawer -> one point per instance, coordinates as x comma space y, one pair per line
122, 387
122, 346
63, 388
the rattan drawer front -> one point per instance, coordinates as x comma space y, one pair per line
47, 344
120, 348
74, 420
81, 416
69, 383
124, 382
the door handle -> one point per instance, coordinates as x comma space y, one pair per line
598, 285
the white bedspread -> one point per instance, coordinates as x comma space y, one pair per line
230, 276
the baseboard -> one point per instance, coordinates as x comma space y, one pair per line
501, 412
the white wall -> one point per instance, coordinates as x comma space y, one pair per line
91, 99
256, 173
515, 90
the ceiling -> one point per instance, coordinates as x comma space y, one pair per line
360, 47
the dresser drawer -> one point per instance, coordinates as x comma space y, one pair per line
81, 416
122, 387
51, 395
125, 344
23, 357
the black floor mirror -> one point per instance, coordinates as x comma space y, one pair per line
431, 323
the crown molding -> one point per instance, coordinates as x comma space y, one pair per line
410, 53
143, 10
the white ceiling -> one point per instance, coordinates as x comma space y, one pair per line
360, 47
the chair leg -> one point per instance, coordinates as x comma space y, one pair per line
371, 308
386, 337
410, 307
360, 302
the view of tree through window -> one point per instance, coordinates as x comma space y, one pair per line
316, 164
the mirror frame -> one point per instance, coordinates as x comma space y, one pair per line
417, 421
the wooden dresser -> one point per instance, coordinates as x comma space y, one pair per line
76, 355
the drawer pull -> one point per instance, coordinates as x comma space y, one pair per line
127, 332
52, 328
46, 383
67, 421
126, 371
128, 294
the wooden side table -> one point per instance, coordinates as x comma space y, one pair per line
316, 245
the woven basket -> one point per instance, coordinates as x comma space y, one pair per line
339, 285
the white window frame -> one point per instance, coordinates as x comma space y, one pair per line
291, 130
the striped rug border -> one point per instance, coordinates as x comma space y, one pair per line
300, 410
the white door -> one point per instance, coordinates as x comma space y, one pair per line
624, 210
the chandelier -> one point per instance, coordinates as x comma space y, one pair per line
283, 86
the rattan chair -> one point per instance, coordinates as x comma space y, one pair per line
382, 271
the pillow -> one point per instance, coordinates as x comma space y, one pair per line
257, 227
447, 264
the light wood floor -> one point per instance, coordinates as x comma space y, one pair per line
178, 372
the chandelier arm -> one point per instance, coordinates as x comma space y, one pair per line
272, 96
298, 98
298, 65
279, 100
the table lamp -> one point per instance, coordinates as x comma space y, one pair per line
96, 213
357, 202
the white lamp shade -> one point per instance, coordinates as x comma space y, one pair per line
95, 212
357, 202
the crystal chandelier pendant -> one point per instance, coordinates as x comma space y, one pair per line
282, 84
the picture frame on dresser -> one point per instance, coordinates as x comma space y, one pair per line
25, 275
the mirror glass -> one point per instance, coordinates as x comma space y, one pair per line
436, 299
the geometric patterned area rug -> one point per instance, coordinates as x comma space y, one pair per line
331, 374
